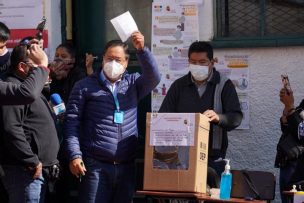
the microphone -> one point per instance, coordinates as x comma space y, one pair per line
57, 103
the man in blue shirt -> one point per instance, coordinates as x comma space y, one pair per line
101, 123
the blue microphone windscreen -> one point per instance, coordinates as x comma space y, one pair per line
56, 99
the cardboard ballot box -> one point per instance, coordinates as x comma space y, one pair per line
176, 152
298, 197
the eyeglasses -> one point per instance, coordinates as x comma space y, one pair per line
29, 64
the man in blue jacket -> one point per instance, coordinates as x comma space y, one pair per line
101, 123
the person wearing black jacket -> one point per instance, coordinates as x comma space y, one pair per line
29, 138
205, 90
30, 89
26, 92
290, 149
65, 72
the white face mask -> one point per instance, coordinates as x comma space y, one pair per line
113, 70
199, 72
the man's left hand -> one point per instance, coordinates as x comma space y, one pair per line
213, 117
138, 40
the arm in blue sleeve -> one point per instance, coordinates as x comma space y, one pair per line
72, 122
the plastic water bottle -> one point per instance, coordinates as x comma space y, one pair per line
226, 181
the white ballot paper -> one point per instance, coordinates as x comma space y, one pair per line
124, 25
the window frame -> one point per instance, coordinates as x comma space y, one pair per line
262, 41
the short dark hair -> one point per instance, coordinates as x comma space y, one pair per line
19, 54
69, 47
117, 43
200, 46
4, 32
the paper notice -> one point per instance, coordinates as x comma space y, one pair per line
172, 129
124, 25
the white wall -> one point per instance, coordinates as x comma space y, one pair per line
255, 149
206, 24
53, 15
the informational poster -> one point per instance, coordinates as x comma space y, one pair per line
183, 1
172, 129
236, 67
174, 28
22, 18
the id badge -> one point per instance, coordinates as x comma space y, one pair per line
118, 117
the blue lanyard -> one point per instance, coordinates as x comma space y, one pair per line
116, 101
114, 93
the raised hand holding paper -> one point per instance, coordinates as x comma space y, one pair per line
124, 25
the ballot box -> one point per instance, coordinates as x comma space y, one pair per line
176, 152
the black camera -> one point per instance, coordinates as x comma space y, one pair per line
39, 35
40, 28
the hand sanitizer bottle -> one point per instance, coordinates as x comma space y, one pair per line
294, 188
226, 181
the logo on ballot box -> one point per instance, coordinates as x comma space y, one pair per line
59, 109
202, 156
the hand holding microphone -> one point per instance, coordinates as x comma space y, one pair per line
57, 104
